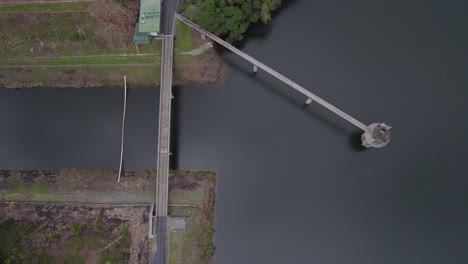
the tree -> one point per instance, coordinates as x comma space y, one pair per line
229, 18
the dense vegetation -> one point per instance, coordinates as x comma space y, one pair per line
25, 241
229, 18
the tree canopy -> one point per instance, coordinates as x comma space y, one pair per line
229, 18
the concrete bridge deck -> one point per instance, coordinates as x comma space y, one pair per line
161, 202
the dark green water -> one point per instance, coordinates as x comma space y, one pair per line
293, 188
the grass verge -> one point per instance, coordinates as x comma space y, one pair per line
184, 41
195, 245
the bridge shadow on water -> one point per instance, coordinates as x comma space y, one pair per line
174, 140
279, 89
356, 142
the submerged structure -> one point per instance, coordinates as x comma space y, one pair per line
149, 21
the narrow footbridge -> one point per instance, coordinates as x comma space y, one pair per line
375, 135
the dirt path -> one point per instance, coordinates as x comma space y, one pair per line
82, 198
17, 2
198, 50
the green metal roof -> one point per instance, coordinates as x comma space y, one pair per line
140, 37
150, 14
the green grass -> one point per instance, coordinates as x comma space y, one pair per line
36, 35
183, 59
184, 41
154, 47
32, 196
195, 197
196, 244
147, 59
15, 235
207, 240
32, 33
49, 7
118, 252
73, 77
49, 184
37, 188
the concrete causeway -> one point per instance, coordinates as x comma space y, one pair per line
161, 202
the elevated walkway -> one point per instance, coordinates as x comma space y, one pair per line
376, 128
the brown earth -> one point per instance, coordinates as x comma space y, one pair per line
119, 18
111, 23
58, 220
204, 69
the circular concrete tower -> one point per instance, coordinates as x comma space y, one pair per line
376, 135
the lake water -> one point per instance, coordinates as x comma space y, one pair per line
293, 187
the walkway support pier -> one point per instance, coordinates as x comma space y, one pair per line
297, 87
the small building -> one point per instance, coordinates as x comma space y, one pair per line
140, 37
149, 21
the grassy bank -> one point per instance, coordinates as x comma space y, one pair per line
51, 230
78, 29
79, 76
74, 45
90, 44
184, 41
203, 68
196, 244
